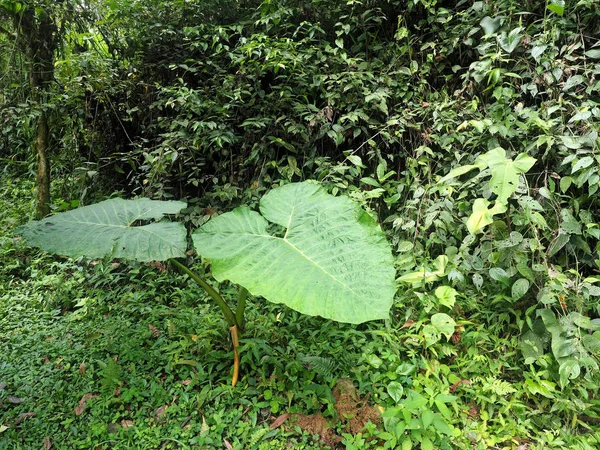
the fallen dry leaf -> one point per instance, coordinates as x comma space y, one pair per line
279, 421
154, 330
127, 423
186, 382
455, 386
23, 417
14, 399
227, 444
2, 386
407, 324
47, 443
82, 369
160, 412
81, 405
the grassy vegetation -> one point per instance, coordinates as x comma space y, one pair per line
102, 355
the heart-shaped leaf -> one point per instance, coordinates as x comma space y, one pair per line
332, 260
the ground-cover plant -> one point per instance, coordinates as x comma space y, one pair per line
322, 255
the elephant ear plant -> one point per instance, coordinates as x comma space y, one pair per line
329, 259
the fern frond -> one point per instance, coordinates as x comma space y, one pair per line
323, 366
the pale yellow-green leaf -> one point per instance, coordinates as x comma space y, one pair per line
482, 215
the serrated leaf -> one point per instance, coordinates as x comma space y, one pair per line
519, 288
333, 260
111, 229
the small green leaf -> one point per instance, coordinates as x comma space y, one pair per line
499, 274
557, 6
490, 25
444, 324
523, 162
582, 164
427, 418
446, 295
569, 223
458, 171
356, 160
374, 361
414, 401
594, 54
565, 183
568, 370
395, 390
482, 216
591, 342
431, 335
442, 426
559, 242
510, 42
519, 288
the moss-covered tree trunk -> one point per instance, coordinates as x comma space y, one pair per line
37, 38
38, 31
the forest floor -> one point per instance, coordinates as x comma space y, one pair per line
102, 355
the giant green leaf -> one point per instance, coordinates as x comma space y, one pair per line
331, 260
112, 228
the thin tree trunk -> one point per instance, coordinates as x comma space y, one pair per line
43, 168
38, 31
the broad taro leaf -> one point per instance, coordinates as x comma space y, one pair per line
110, 228
333, 260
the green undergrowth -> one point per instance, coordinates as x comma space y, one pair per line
102, 355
